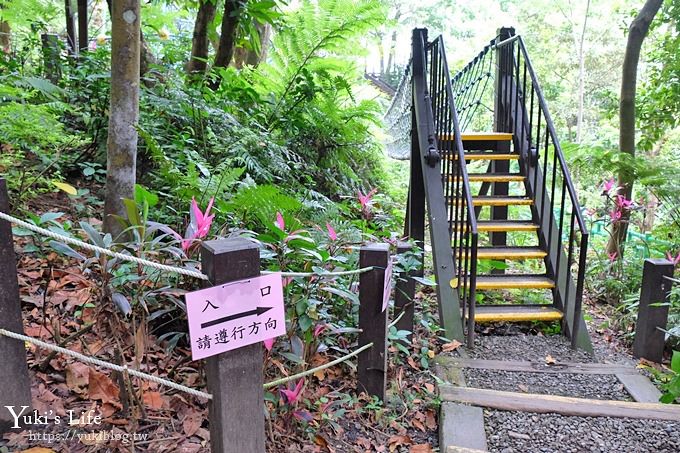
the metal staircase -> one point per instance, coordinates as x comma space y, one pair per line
504, 219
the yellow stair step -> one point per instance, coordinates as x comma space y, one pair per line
510, 253
501, 201
516, 313
500, 226
510, 281
492, 177
486, 156
480, 136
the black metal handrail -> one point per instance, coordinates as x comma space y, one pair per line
521, 108
431, 159
461, 213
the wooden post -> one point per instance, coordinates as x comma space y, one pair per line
51, 63
649, 340
16, 385
404, 294
372, 372
83, 39
235, 377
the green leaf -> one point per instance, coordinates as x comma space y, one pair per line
64, 249
425, 281
94, 235
667, 398
675, 362
50, 217
142, 195
132, 212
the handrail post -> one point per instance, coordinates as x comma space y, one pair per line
501, 112
372, 367
235, 378
16, 385
653, 310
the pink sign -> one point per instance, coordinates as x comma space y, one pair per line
387, 288
235, 314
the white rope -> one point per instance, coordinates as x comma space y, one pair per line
163, 267
103, 364
95, 248
314, 370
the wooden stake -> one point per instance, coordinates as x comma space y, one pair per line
15, 388
235, 379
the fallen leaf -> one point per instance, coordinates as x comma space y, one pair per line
77, 376
417, 424
429, 387
191, 423
396, 441
102, 388
421, 448
430, 420
523, 388
363, 442
38, 450
430, 353
413, 364
550, 360
320, 374
68, 188
153, 400
448, 347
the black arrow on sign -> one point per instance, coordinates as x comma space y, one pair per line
258, 311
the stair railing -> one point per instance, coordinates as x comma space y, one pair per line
461, 214
519, 107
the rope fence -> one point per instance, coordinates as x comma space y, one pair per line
155, 265
240, 401
104, 364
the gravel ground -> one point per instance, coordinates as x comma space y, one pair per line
533, 348
595, 386
509, 432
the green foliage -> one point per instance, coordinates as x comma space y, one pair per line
308, 86
658, 105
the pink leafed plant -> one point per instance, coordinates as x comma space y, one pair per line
612, 256
269, 344
292, 395
280, 223
615, 215
365, 201
673, 260
332, 235
319, 329
607, 186
623, 203
200, 223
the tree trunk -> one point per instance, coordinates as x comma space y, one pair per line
230, 20
83, 38
251, 57
5, 37
124, 110
636, 35
147, 57
70, 28
581, 76
198, 62
393, 42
